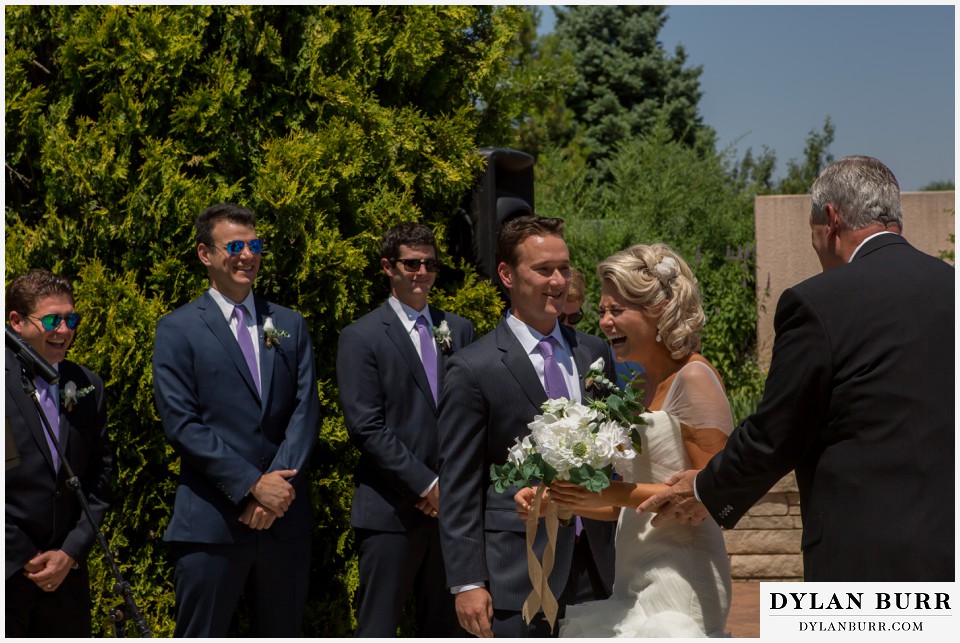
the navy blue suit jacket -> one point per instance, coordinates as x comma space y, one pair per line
492, 393
226, 435
42, 513
391, 415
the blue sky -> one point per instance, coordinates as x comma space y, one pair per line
885, 74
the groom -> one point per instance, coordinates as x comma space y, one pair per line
494, 387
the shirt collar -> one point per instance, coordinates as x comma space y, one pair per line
226, 305
407, 315
875, 234
529, 338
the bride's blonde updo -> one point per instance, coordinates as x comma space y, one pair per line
658, 280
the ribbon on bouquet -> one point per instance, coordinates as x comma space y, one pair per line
542, 596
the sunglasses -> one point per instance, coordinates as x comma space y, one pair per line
234, 248
571, 319
413, 265
52, 321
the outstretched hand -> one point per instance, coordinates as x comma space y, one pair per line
676, 503
575, 497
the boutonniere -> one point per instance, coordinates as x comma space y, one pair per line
272, 334
71, 394
443, 335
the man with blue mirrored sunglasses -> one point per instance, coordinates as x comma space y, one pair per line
236, 390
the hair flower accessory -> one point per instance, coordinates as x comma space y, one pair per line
666, 270
443, 335
272, 334
71, 394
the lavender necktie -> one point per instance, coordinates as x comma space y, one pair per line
246, 344
428, 354
554, 383
49, 405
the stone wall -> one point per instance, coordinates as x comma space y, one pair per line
765, 545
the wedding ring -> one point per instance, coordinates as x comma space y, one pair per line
49, 585
434, 514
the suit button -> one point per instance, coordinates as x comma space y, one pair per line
57, 494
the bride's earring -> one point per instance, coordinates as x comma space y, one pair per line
659, 339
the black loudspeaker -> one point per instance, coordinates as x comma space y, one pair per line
504, 190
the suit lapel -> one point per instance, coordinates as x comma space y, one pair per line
438, 316
581, 356
518, 363
212, 316
399, 337
29, 411
267, 355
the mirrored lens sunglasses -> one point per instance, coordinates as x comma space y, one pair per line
236, 247
52, 321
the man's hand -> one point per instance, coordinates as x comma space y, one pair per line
676, 503
256, 516
430, 503
475, 611
274, 492
48, 569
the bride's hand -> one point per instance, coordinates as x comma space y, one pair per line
575, 496
523, 500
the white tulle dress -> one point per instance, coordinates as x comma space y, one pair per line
672, 581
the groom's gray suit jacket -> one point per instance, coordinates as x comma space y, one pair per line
492, 391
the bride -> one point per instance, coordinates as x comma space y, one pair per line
672, 581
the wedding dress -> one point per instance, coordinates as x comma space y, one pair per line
671, 581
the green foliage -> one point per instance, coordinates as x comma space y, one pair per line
625, 81
331, 122
662, 190
938, 186
816, 156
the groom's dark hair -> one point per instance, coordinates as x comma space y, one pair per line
515, 230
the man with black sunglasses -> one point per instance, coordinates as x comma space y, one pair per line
47, 535
236, 389
390, 372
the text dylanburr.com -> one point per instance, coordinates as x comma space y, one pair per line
800, 610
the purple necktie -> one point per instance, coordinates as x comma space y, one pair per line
552, 375
246, 344
555, 385
49, 404
428, 354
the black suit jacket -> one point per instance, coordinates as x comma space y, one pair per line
860, 402
225, 433
42, 513
391, 415
492, 393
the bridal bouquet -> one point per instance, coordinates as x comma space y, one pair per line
582, 443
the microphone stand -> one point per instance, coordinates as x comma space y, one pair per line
121, 587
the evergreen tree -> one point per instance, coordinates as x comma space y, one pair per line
331, 122
625, 80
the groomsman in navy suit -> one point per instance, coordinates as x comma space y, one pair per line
47, 535
236, 390
390, 372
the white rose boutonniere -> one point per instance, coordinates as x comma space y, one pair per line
271, 334
443, 335
71, 394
